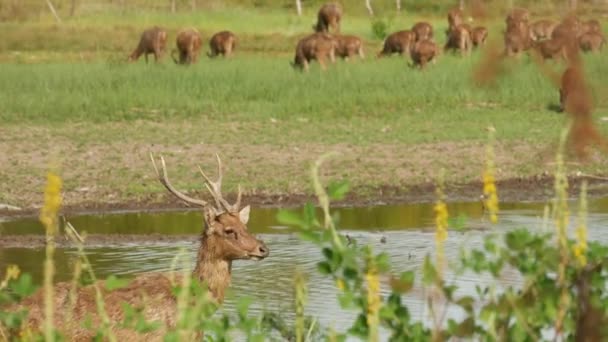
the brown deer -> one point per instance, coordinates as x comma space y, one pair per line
225, 238
222, 43
319, 46
152, 40
329, 15
551, 49
517, 38
422, 52
479, 35
188, 43
542, 29
591, 26
349, 46
398, 42
518, 14
459, 39
422, 31
455, 17
591, 42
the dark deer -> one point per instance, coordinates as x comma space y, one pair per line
152, 40
329, 15
422, 31
349, 46
188, 43
551, 49
222, 43
398, 42
517, 38
317, 46
225, 238
423, 52
591, 26
518, 14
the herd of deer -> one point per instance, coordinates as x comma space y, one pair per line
546, 37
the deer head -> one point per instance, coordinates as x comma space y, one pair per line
225, 236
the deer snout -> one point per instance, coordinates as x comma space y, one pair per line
262, 251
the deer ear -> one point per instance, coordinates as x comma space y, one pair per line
210, 215
244, 214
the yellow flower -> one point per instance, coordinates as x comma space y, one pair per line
490, 194
52, 202
340, 284
12, 273
581, 229
441, 227
373, 301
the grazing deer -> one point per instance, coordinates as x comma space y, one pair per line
551, 49
188, 43
517, 38
591, 42
329, 15
152, 40
222, 43
349, 46
542, 29
398, 42
319, 46
479, 35
459, 39
422, 31
422, 52
225, 238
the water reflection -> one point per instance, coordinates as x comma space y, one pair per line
398, 230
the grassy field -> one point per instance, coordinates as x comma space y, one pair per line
69, 100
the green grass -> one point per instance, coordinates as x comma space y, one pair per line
440, 103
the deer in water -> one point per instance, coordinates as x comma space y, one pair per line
225, 238
152, 40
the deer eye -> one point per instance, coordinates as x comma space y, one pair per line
230, 231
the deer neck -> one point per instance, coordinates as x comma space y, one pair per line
212, 269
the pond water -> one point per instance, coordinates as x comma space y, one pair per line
403, 231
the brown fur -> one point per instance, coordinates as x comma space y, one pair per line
568, 29
459, 39
329, 15
225, 238
455, 17
398, 42
542, 29
319, 46
222, 43
423, 31
188, 45
423, 52
551, 49
479, 35
518, 14
591, 42
517, 38
152, 40
349, 46
591, 26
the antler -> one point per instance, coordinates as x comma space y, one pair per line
215, 188
164, 179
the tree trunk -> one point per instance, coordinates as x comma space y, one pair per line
299, 7
461, 5
193, 5
368, 5
573, 5
398, 4
173, 6
52, 8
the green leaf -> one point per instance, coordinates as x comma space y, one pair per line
404, 283
429, 273
337, 190
324, 267
23, 286
288, 217
383, 262
114, 283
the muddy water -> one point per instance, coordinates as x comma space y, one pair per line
402, 231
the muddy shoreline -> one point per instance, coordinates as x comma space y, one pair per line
531, 189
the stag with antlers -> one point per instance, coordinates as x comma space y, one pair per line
225, 238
